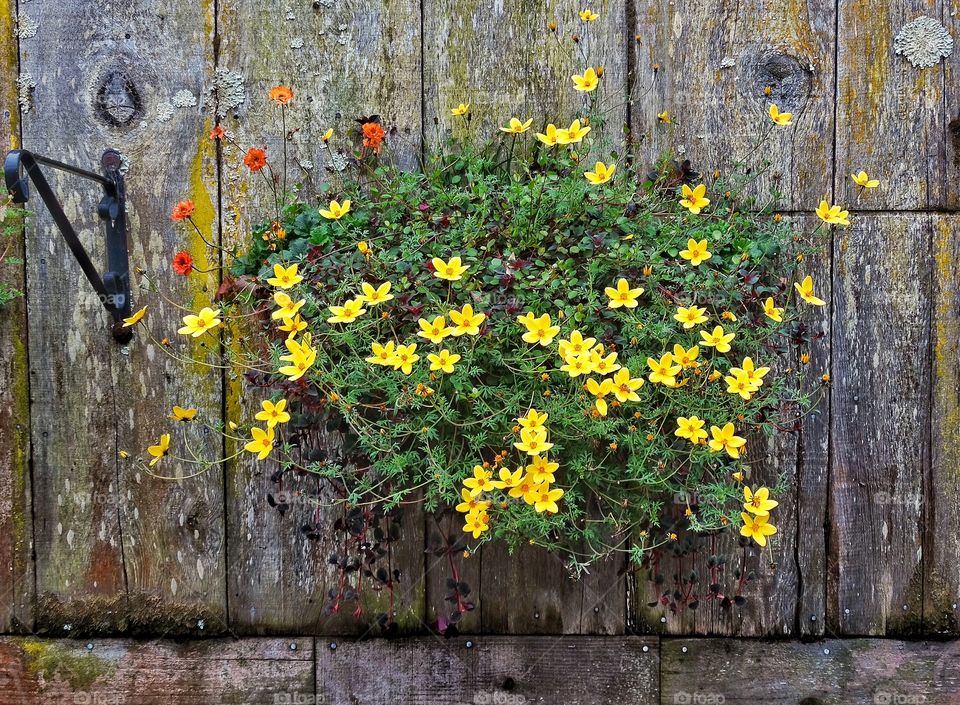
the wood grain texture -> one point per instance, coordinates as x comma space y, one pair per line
16, 518
253, 671
880, 415
892, 118
832, 672
709, 63
342, 61
941, 550
118, 550
547, 670
503, 60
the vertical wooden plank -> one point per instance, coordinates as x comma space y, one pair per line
941, 545
891, 116
504, 61
16, 518
342, 60
710, 63
880, 415
128, 77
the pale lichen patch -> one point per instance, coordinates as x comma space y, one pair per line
25, 87
924, 42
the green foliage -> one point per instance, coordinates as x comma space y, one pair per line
538, 237
11, 227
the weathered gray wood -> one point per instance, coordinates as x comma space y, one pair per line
880, 445
893, 119
833, 672
709, 64
173, 673
111, 76
342, 61
941, 545
16, 520
575, 670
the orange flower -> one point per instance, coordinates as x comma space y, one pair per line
373, 134
182, 263
217, 133
183, 210
281, 95
255, 159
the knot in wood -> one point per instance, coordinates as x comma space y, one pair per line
790, 81
117, 101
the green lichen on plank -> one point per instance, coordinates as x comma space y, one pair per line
52, 661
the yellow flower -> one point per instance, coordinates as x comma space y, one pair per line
579, 365
376, 296
603, 364
273, 413
351, 310
207, 319
336, 210
301, 358
758, 502
508, 479
546, 499
444, 361
589, 16
757, 528
690, 317
805, 289
284, 277
696, 252
691, 428
460, 110
363, 247
533, 441
288, 307
755, 375
135, 318
159, 450
625, 387
180, 414
601, 173
729, 316
663, 370
480, 482
261, 442
587, 82
718, 340
533, 420
476, 523
600, 390
833, 215
382, 354
693, 198
470, 503
771, 311
740, 384
864, 181
404, 357
292, 326
550, 137
779, 118
516, 127
539, 330
434, 331
467, 322
623, 295
327, 135
573, 135
451, 271
541, 470
575, 345
724, 439
664, 117
686, 358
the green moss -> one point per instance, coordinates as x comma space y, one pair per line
53, 660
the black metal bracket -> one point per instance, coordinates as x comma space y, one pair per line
113, 288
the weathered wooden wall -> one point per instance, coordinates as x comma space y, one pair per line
868, 544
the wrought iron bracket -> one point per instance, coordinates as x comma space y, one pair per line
113, 288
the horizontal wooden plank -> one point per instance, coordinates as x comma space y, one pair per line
833, 672
116, 672
572, 670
